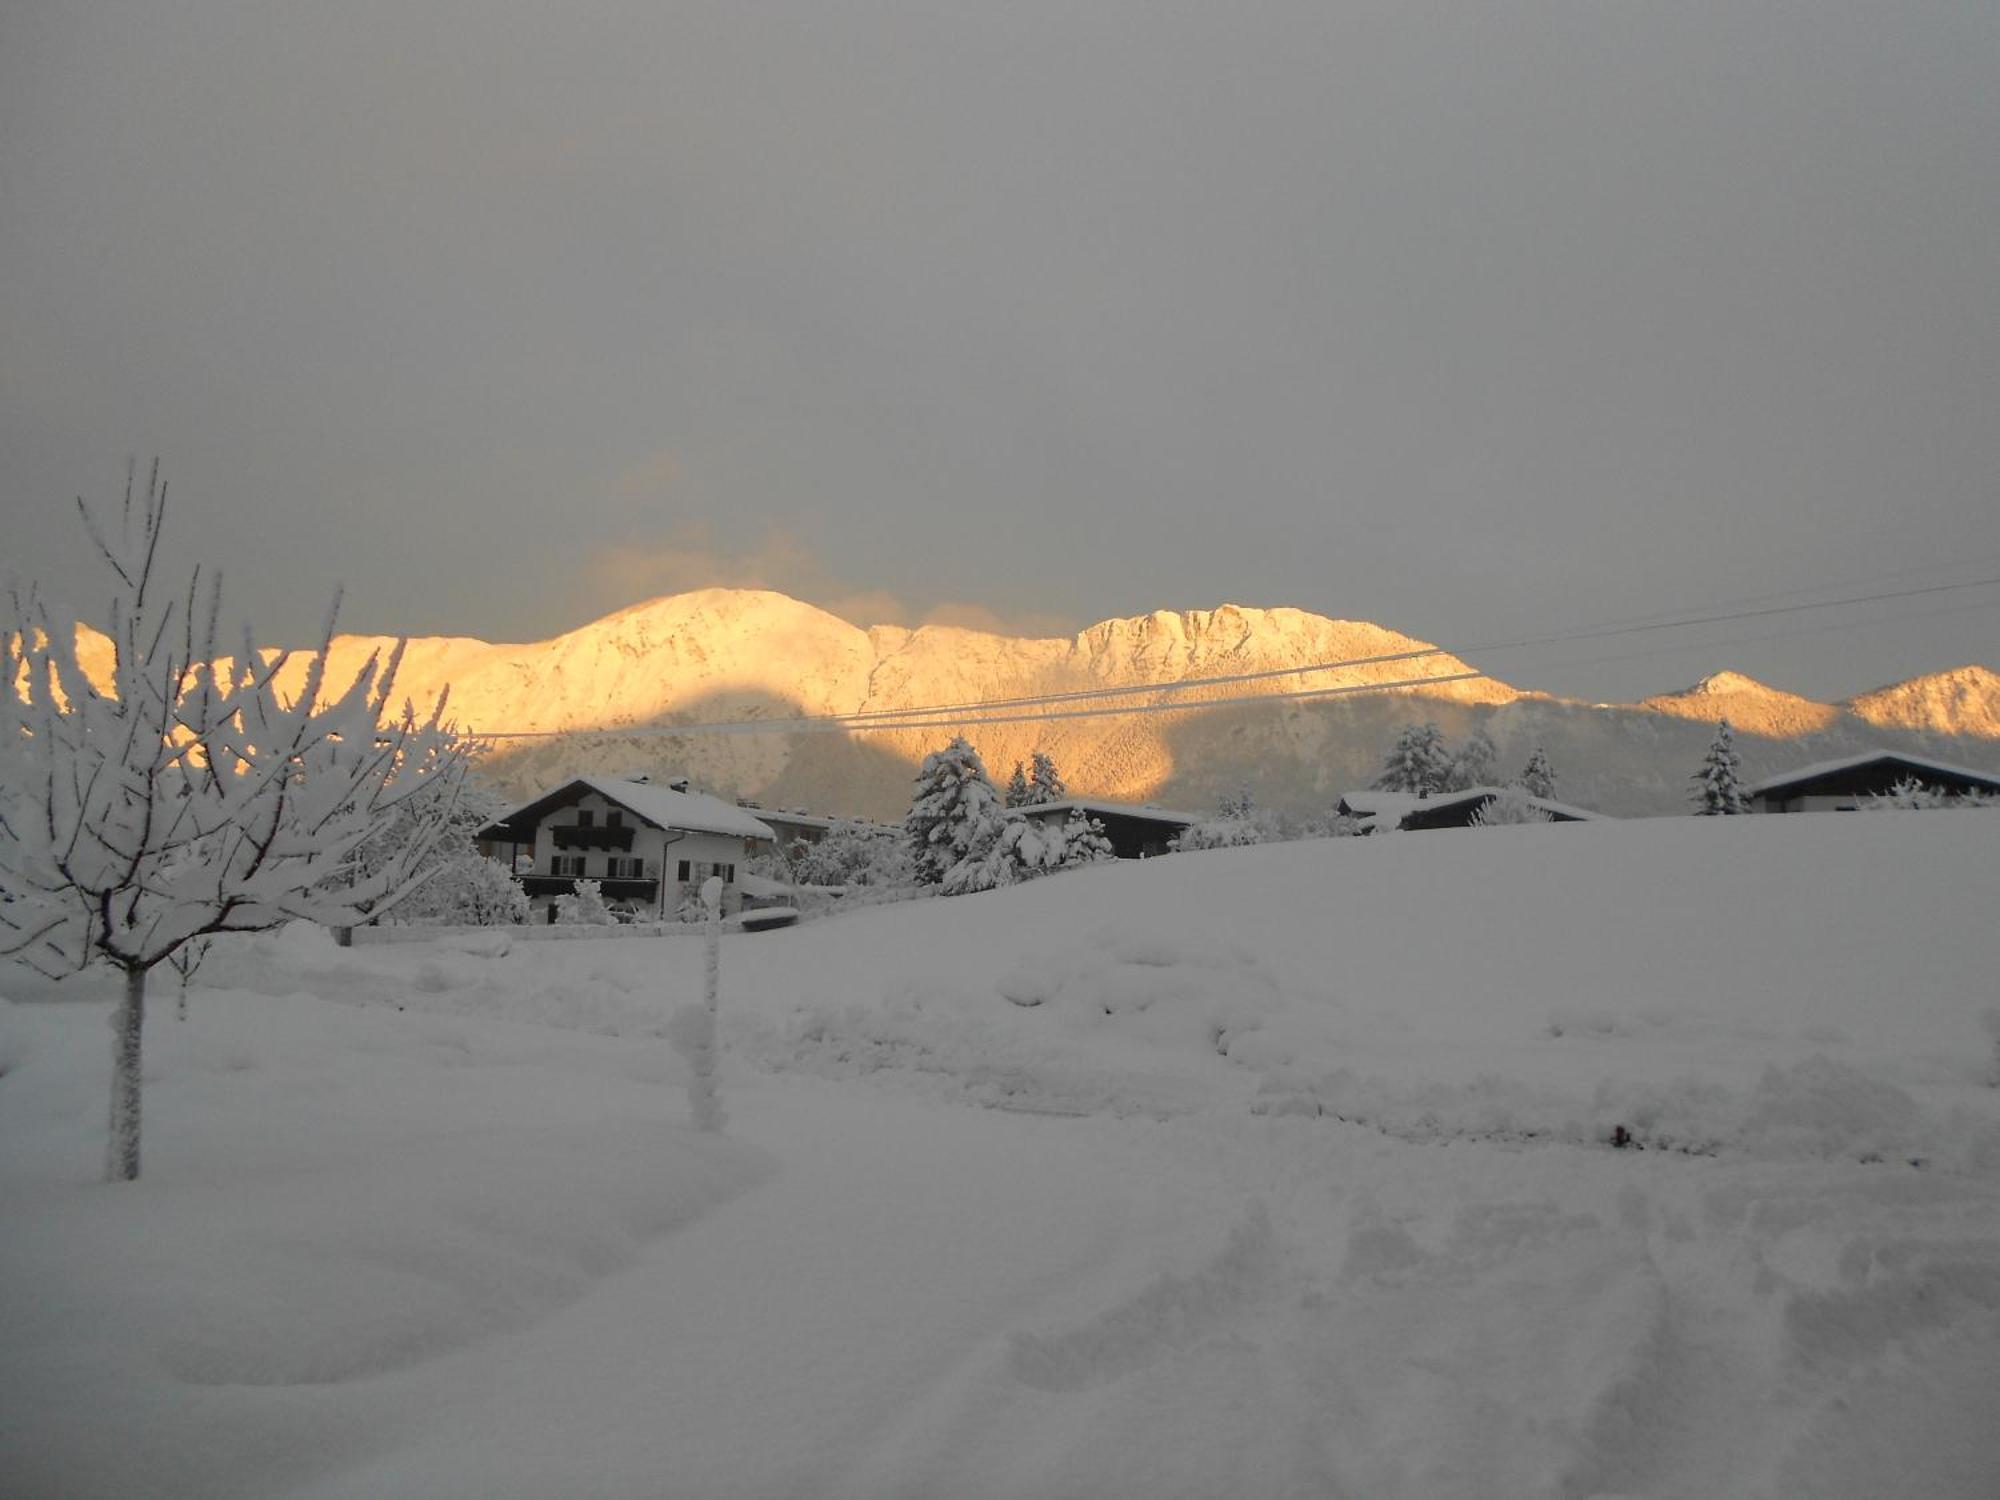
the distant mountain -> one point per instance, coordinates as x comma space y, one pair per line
1963, 703
735, 654
1748, 704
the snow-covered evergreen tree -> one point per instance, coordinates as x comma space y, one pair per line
186, 795
1416, 763
1084, 841
1045, 783
1017, 787
1718, 787
1538, 777
1472, 764
955, 811
1009, 850
584, 907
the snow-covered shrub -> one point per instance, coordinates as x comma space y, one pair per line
189, 794
1718, 787
469, 890
1219, 833
856, 854
1511, 808
584, 907
955, 812
1911, 794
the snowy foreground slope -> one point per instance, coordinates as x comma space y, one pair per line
1276, 1171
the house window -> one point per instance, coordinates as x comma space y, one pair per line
614, 819
585, 818
682, 877
621, 869
566, 864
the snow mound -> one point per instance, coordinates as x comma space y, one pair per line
1171, 990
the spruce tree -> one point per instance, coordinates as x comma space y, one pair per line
1718, 789
1416, 762
1538, 777
954, 811
1045, 782
1084, 841
1017, 787
1473, 765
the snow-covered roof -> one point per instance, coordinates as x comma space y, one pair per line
1390, 808
1093, 806
662, 806
696, 811
825, 822
1916, 763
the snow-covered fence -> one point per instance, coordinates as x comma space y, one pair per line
537, 932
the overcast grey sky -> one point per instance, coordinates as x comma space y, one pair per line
1475, 320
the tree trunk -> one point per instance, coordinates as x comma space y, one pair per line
127, 1024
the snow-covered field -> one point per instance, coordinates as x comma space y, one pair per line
1274, 1171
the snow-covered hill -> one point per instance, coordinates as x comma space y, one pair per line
735, 654
1648, 1159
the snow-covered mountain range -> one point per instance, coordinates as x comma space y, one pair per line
734, 654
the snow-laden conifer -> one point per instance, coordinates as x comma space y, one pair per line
954, 812
1084, 840
1718, 785
1017, 787
1045, 783
184, 794
1538, 777
1006, 851
1472, 764
1416, 763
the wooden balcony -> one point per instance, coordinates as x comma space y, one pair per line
569, 836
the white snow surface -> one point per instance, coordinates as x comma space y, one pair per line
1286, 1170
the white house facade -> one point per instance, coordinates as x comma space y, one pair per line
650, 846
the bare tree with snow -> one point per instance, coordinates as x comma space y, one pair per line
173, 792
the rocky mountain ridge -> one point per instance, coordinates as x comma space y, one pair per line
632, 691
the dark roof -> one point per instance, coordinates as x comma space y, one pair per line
1859, 772
661, 806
